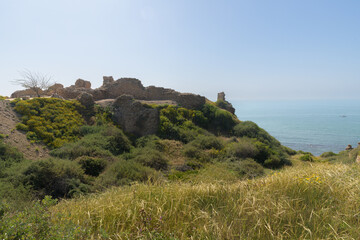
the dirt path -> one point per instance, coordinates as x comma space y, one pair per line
13, 137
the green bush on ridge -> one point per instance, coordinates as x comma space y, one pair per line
51, 120
307, 157
328, 154
219, 120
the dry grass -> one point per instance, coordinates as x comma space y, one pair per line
308, 201
173, 152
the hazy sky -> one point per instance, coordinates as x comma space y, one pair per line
269, 49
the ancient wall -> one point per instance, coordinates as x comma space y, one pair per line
134, 118
133, 87
130, 86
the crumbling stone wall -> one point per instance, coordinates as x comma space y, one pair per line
80, 83
134, 118
133, 87
130, 86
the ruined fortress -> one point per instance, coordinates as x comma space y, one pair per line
126, 97
112, 89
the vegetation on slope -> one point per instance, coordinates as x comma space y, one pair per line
51, 120
193, 149
308, 201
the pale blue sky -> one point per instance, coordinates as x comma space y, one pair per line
269, 49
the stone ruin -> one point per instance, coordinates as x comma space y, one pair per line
126, 97
112, 89
222, 103
221, 96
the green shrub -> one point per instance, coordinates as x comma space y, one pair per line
208, 142
181, 124
103, 142
247, 168
203, 148
116, 141
150, 141
58, 178
92, 166
306, 157
123, 172
289, 151
194, 152
221, 104
219, 120
242, 149
302, 152
78, 149
252, 130
151, 158
9, 155
22, 127
51, 120
87, 129
328, 154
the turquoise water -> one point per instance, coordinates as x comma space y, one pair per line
313, 126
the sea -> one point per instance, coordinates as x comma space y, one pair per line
314, 126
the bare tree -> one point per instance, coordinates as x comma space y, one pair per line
34, 81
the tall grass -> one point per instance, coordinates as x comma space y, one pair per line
308, 201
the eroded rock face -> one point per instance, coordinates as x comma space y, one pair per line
134, 118
86, 99
80, 83
349, 147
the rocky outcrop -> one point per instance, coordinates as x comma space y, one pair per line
86, 99
349, 147
133, 117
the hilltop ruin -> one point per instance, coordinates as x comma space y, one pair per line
126, 97
112, 89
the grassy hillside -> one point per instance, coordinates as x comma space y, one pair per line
204, 175
307, 201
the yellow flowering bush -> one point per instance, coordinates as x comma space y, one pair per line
54, 121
